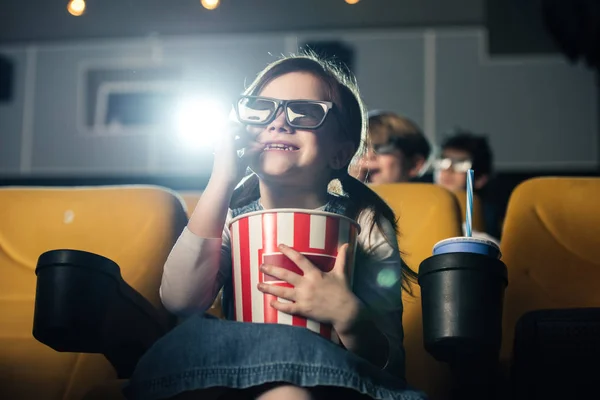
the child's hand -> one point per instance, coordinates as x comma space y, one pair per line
234, 148
321, 296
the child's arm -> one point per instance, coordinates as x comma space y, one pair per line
195, 271
200, 260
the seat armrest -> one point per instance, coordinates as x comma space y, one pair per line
83, 305
556, 354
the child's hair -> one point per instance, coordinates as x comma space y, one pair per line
386, 127
342, 90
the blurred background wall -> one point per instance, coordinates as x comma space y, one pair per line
99, 97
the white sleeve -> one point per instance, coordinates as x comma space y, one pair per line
378, 284
195, 272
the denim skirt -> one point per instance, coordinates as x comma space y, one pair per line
205, 352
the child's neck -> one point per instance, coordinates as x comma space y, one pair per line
291, 197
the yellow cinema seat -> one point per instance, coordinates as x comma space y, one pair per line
135, 226
478, 218
550, 245
426, 214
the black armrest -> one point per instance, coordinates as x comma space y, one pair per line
556, 354
462, 297
83, 305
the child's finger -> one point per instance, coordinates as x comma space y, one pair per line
252, 147
340, 262
297, 258
285, 307
281, 274
281, 292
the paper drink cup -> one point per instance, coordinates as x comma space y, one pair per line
254, 241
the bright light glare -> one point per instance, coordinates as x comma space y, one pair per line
387, 278
199, 122
210, 4
352, 1
76, 7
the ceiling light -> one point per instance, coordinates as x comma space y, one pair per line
76, 7
210, 4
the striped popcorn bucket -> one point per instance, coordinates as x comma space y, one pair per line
254, 241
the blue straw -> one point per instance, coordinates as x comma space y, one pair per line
469, 221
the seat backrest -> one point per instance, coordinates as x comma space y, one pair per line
478, 217
426, 214
550, 245
135, 226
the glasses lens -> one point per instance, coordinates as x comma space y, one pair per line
255, 110
461, 166
386, 148
306, 114
455, 165
443, 163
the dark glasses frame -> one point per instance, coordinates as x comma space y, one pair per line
282, 104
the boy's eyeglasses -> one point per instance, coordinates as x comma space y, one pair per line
304, 114
454, 165
382, 149
394, 145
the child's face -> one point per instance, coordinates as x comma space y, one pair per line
313, 150
388, 167
450, 178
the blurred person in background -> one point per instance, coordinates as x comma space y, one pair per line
462, 150
397, 152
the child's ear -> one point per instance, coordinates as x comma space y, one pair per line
416, 166
481, 181
342, 156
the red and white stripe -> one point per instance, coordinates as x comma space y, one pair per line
254, 240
